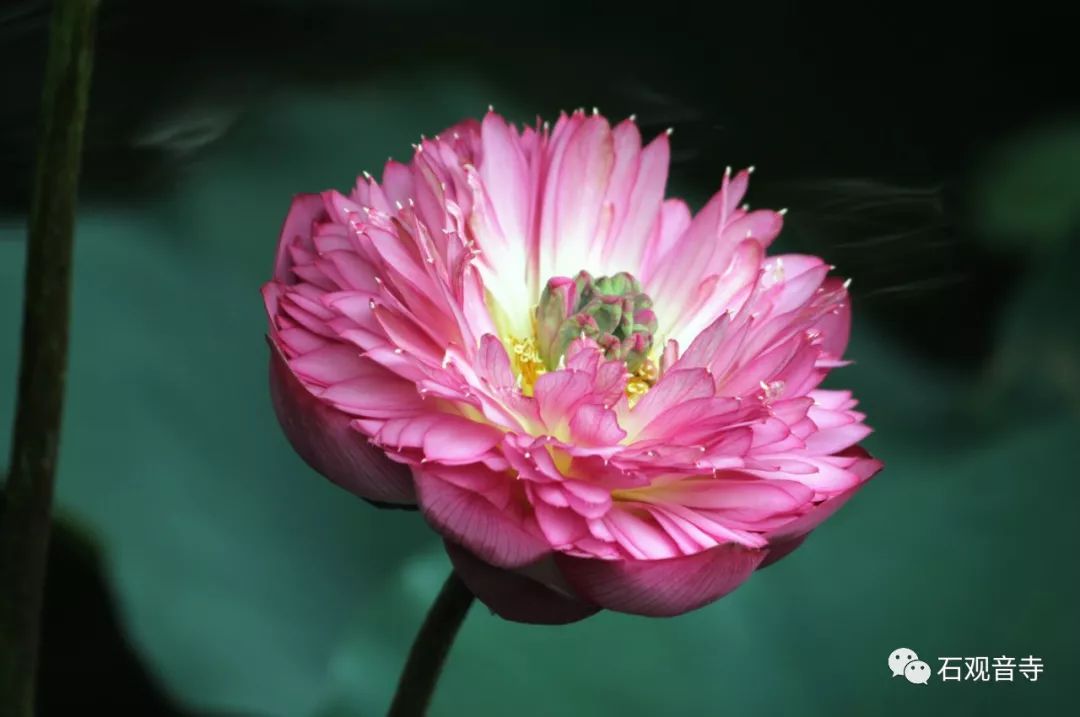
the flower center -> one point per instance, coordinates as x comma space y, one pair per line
612, 310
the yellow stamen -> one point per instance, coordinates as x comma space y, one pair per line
527, 363
529, 367
641, 381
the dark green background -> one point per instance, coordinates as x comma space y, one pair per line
935, 161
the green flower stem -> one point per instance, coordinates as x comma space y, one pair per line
429, 649
27, 500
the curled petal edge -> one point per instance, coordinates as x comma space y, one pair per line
324, 439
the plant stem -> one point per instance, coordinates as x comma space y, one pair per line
430, 648
25, 513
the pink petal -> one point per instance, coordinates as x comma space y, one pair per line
692, 420
494, 364
506, 177
675, 219
642, 210
639, 534
561, 526
626, 142
558, 393
590, 500
675, 387
397, 182
355, 272
703, 350
594, 425
329, 364
574, 196
298, 341
835, 327
375, 394
660, 588
702, 250
720, 294
772, 496
496, 533
513, 596
832, 440
323, 438
762, 225
783, 540
833, 400
453, 439
797, 289
305, 209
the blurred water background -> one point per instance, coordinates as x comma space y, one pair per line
200, 568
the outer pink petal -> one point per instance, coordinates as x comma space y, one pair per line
702, 250
675, 219
323, 438
513, 596
305, 209
644, 202
495, 533
660, 588
574, 198
505, 174
835, 327
785, 539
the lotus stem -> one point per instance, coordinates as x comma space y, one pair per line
25, 515
430, 648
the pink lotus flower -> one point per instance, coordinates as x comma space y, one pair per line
598, 399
